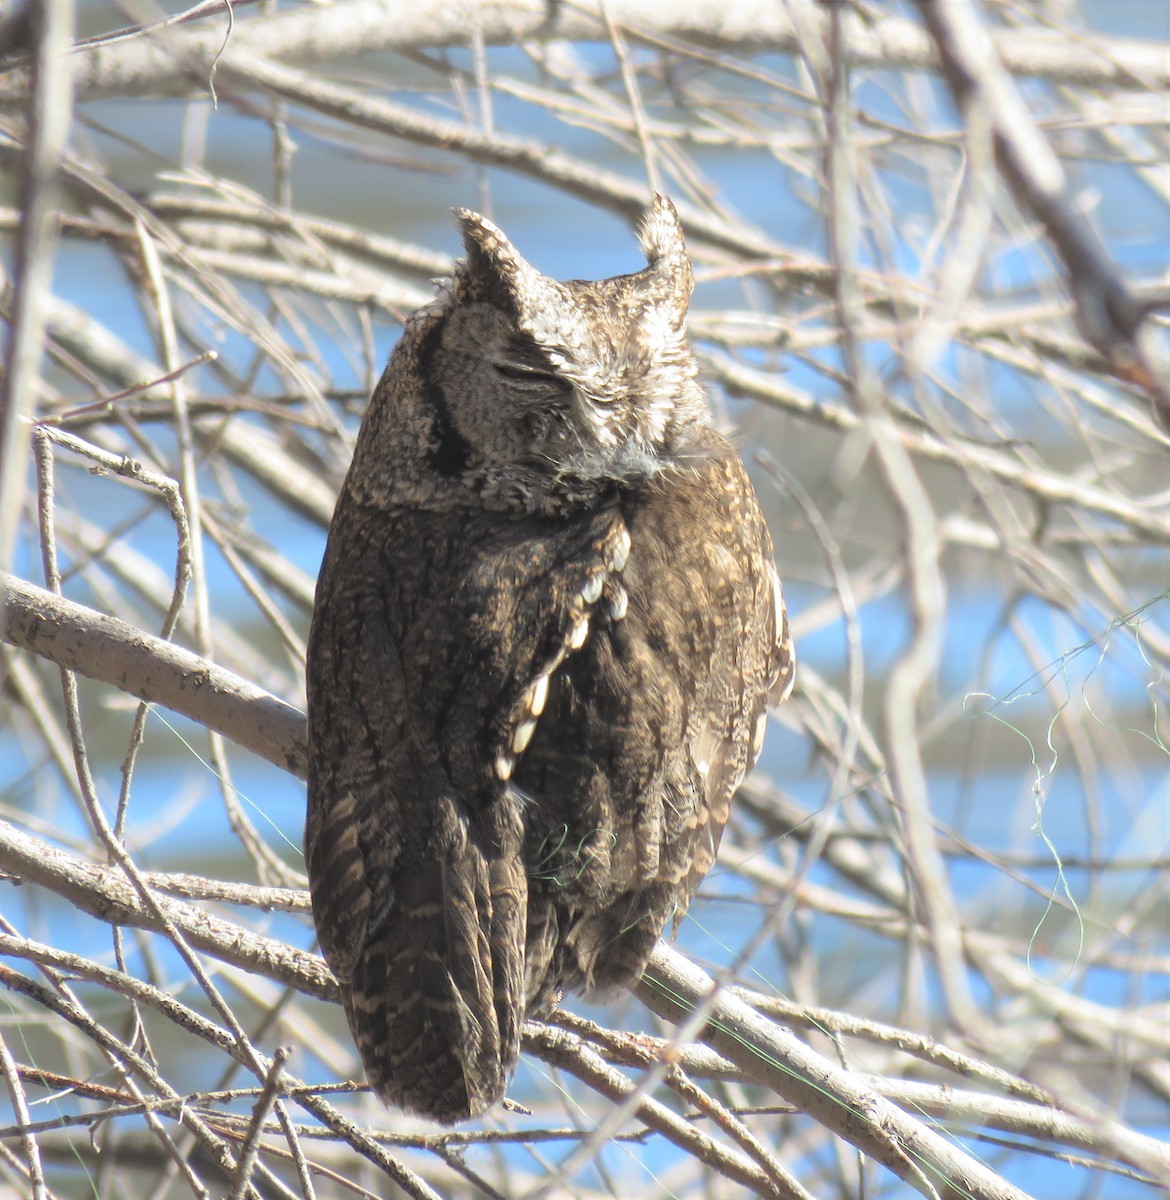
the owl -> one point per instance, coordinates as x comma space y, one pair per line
547, 630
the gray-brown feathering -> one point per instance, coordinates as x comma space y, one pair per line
548, 627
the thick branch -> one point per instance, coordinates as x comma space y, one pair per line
104, 893
109, 650
674, 988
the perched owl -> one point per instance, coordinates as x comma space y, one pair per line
548, 627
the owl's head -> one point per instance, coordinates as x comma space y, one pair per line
545, 391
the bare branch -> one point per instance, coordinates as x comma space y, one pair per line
104, 648
146, 66
1109, 314
49, 25
933, 1166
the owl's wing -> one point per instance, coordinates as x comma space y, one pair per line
426, 682
653, 726
417, 895
762, 678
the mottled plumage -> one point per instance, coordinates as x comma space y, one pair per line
548, 627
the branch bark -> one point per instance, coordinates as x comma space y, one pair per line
674, 988
146, 67
111, 651
105, 894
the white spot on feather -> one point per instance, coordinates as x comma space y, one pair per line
777, 598
578, 633
537, 695
758, 733
619, 601
621, 550
591, 592
522, 736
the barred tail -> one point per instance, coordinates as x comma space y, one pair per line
437, 994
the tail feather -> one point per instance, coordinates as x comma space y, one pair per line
437, 997
541, 974
508, 881
606, 950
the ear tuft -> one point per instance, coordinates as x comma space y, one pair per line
661, 237
493, 269
660, 233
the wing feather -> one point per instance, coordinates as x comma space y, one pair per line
415, 836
